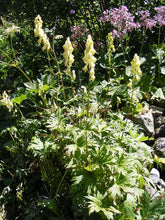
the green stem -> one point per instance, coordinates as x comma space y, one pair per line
128, 114
159, 36
12, 47
160, 57
15, 65
144, 33
50, 68
61, 183
124, 55
23, 73
87, 115
74, 100
110, 65
59, 71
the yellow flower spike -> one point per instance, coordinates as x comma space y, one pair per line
7, 101
39, 32
89, 59
73, 75
135, 68
111, 47
69, 58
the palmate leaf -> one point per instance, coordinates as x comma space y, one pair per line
81, 139
115, 191
96, 204
71, 149
153, 210
157, 207
129, 211
129, 206
158, 94
145, 204
40, 148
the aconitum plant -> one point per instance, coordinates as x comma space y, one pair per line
89, 58
122, 20
39, 32
69, 58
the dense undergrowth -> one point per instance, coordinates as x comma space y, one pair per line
71, 84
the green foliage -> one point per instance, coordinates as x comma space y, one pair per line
69, 149
154, 209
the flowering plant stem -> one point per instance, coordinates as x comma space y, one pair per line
59, 71
110, 66
159, 60
87, 115
14, 64
122, 47
74, 100
144, 33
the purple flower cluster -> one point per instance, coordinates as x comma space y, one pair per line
78, 31
146, 20
122, 20
160, 15
72, 11
106, 16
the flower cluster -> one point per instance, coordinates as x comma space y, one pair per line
6, 100
39, 32
135, 67
146, 20
122, 20
69, 58
89, 58
111, 47
135, 70
106, 16
12, 29
78, 31
160, 15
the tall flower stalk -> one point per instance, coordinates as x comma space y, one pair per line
136, 73
89, 61
89, 58
123, 23
160, 20
111, 49
69, 59
147, 23
39, 32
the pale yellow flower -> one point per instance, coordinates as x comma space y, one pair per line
6, 100
89, 58
39, 32
135, 68
12, 29
85, 89
73, 75
40, 88
69, 58
111, 47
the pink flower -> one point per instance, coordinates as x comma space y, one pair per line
146, 20
121, 19
160, 15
